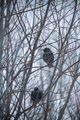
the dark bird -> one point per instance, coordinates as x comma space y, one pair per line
36, 95
48, 57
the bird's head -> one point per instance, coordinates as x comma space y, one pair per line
36, 89
46, 50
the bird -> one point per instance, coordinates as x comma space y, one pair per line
48, 57
36, 95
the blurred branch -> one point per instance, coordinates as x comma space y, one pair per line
31, 61
61, 112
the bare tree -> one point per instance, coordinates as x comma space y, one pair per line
26, 28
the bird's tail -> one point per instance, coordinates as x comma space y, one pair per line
50, 65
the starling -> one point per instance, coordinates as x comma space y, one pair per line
48, 57
36, 95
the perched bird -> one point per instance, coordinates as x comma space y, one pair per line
48, 57
36, 95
